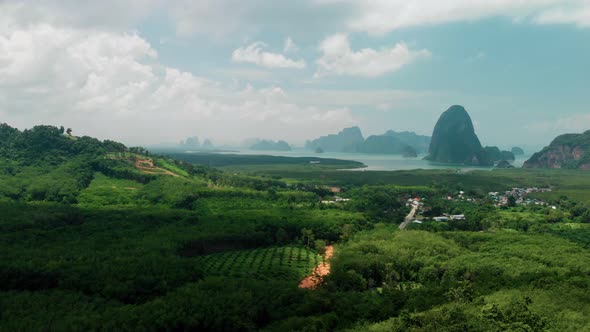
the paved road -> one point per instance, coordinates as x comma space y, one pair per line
409, 218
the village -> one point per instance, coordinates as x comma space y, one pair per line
508, 198
518, 196
419, 208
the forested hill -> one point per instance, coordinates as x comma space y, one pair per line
48, 145
98, 236
47, 163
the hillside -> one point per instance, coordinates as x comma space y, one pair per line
571, 151
46, 164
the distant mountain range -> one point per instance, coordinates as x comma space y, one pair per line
352, 140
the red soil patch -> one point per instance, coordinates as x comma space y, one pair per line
147, 166
312, 281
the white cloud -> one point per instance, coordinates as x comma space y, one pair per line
221, 18
290, 46
255, 54
339, 59
383, 16
579, 16
110, 85
70, 66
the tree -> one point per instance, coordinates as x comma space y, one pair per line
281, 236
518, 316
320, 246
511, 201
462, 293
307, 236
69, 131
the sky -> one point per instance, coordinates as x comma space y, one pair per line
152, 71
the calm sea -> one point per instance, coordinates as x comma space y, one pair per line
377, 162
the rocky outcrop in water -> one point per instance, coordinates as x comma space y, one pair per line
351, 140
347, 140
454, 140
517, 151
269, 145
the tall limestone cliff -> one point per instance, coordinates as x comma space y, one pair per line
571, 151
454, 140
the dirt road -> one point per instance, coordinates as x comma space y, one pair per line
318, 274
147, 166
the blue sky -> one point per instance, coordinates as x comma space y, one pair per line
152, 71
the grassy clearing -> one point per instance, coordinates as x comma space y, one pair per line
105, 191
165, 164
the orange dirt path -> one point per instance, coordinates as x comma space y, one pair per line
318, 274
151, 169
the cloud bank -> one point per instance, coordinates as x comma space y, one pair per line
112, 85
255, 54
339, 59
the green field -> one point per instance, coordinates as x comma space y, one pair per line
288, 261
104, 191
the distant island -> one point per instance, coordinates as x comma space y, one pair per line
193, 143
504, 164
410, 153
270, 145
571, 151
517, 151
351, 140
347, 140
454, 142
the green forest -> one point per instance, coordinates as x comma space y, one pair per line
98, 236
